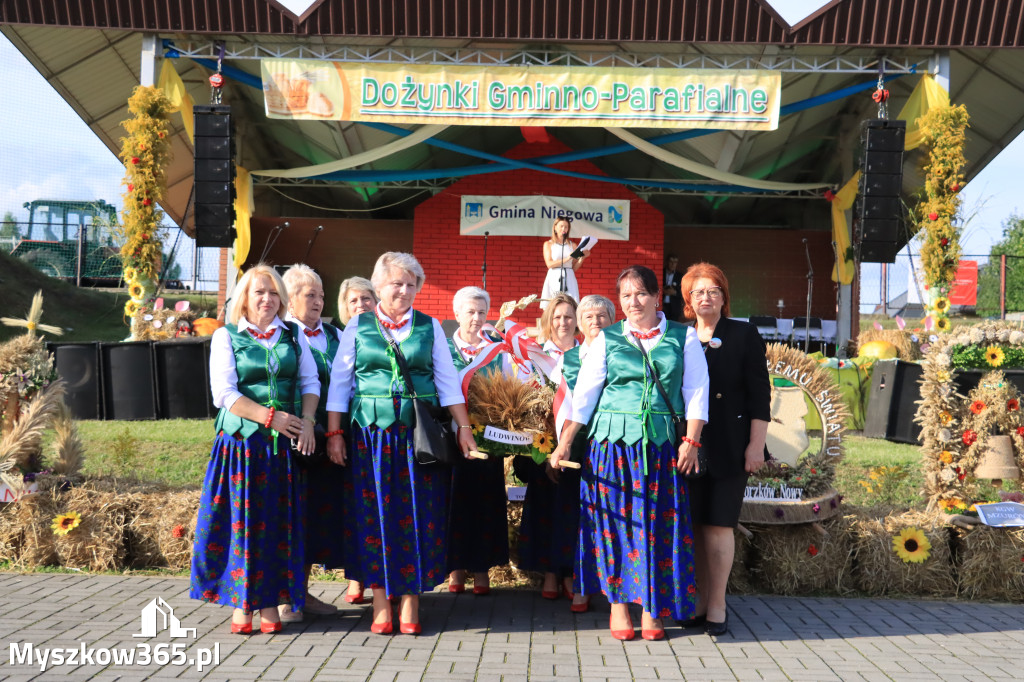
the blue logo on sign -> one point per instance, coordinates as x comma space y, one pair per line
474, 210
613, 215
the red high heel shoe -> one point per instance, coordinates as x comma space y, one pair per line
623, 635
242, 628
270, 628
456, 588
409, 628
351, 598
383, 628
567, 593
653, 634
580, 608
481, 590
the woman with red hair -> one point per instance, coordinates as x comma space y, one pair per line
738, 416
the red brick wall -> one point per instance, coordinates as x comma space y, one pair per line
515, 265
763, 266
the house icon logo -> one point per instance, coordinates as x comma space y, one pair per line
158, 615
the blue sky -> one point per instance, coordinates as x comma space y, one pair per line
46, 151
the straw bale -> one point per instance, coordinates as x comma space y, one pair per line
991, 563
740, 578
151, 532
11, 533
798, 559
96, 544
878, 570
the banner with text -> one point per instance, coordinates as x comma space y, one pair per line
533, 216
522, 95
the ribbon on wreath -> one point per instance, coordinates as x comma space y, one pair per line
523, 350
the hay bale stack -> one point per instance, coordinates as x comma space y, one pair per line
799, 558
878, 569
11, 534
97, 544
162, 529
991, 563
740, 579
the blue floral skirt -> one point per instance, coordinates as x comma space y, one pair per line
478, 532
636, 542
248, 549
396, 517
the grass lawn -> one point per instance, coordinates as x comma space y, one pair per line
174, 453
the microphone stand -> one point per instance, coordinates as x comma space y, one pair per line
309, 247
484, 267
272, 239
563, 285
810, 288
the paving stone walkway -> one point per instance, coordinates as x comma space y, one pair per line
509, 635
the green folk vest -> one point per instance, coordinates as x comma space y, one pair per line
377, 375
631, 406
460, 363
324, 361
571, 366
257, 383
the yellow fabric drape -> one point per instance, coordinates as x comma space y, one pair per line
927, 95
174, 89
243, 211
842, 271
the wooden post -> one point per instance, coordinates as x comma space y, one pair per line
1002, 287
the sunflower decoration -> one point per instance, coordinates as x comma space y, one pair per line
130, 308
946, 457
65, 523
912, 545
942, 324
994, 356
130, 274
544, 443
953, 505
942, 305
136, 290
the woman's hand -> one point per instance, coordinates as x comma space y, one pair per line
559, 454
289, 424
687, 460
466, 442
306, 439
336, 449
753, 458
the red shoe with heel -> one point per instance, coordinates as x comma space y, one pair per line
622, 635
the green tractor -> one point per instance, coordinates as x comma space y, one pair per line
72, 240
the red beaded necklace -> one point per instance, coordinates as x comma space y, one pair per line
387, 324
262, 336
311, 332
646, 335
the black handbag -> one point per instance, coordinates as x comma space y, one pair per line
433, 438
319, 454
677, 421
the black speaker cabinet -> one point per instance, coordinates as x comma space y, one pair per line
78, 364
879, 210
895, 388
129, 380
214, 175
183, 378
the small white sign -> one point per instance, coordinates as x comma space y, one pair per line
8, 495
507, 437
516, 493
533, 216
1001, 514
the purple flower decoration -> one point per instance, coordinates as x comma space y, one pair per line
29, 477
832, 503
779, 513
816, 508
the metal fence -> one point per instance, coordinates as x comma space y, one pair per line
900, 286
89, 254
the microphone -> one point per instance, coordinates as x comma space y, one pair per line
319, 228
804, 240
287, 224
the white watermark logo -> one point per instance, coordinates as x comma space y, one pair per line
156, 616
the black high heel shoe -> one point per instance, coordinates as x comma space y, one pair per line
717, 629
696, 621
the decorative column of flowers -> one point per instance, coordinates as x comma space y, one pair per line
938, 213
146, 152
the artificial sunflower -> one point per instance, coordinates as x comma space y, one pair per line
65, 523
542, 442
942, 304
1012, 405
912, 545
952, 506
946, 457
130, 308
942, 324
994, 356
135, 290
129, 274
977, 407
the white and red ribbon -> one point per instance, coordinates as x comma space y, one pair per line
524, 351
562, 407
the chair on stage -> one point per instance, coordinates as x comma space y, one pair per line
767, 326
808, 328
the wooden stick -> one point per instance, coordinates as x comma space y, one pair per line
820, 528
746, 531
476, 454
567, 464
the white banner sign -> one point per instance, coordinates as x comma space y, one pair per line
507, 437
533, 216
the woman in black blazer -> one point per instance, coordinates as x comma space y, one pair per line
739, 411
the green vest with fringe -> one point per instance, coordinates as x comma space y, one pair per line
571, 366
258, 383
378, 377
631, 408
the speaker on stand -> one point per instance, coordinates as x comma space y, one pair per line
879, 208
892, 405
78, 364
214, 175
129, 380
183, 378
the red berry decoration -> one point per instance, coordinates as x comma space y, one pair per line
944, 241
135, 160
160, 135
955, 188
178, 531
147, 202
131, 187
933, 216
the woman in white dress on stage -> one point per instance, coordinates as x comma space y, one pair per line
562, 266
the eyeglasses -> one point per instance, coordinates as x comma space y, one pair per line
711, 293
